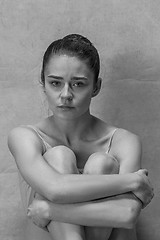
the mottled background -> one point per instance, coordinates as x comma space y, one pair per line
127, 35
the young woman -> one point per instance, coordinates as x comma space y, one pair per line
79, 177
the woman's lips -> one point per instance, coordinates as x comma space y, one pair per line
65, 107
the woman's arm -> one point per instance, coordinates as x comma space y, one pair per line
127, 149
27, 151
119, 211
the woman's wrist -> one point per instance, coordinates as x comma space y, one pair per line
143, 189
134, 181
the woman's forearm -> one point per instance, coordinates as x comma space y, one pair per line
74, 188
118, 212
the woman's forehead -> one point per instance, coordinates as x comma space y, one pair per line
64, 63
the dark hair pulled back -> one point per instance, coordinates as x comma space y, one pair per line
73, 45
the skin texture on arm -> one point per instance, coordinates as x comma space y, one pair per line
27, 151
119, 211
110, 212
128, 152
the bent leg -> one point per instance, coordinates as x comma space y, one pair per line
100, 163
63, 160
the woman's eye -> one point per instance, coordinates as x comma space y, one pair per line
78, 84
56, 83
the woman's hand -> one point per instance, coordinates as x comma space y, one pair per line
144, 189
38, 212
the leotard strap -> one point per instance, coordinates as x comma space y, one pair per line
111, 139
45, 144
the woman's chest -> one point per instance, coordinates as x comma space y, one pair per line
85, 149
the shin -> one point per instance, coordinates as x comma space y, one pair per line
100, 163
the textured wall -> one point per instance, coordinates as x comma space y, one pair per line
127, 36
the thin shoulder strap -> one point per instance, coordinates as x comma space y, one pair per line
45, 144
111, 139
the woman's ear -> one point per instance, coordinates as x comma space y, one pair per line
97, 87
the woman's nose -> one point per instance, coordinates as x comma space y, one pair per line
66, 94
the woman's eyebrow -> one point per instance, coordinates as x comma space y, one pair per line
55, 77
80, 78
73, 78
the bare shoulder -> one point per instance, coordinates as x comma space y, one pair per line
126, 145
23, 137
26, 148
123, 135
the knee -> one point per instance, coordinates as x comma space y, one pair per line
61, 158
101, 163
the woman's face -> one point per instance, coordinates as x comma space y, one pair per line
69, 86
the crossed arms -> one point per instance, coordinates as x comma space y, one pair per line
73, 195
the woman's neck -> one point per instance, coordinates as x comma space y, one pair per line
71, 129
